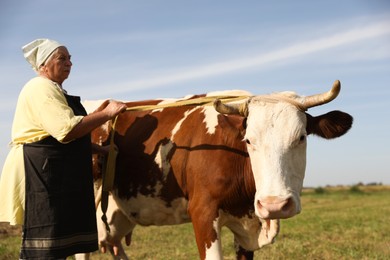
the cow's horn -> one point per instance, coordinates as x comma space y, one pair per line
320, 99
232, 109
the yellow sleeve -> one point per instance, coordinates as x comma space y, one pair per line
47, 109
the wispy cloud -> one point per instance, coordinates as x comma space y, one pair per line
297, 50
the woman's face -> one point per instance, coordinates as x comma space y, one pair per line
57, 67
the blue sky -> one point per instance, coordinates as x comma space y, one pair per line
134, 50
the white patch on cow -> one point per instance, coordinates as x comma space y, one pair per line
162, 160
211, 115
150, 210
210, 119
269, 230
178, 125
215, 250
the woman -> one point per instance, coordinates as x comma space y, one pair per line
46, 183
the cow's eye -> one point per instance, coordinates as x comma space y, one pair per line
247, 141
302, 138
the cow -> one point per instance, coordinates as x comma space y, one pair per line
239, 165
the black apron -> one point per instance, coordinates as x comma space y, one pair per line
60, 216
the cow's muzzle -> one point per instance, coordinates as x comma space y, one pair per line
276, 208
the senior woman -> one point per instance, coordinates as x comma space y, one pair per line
46, 183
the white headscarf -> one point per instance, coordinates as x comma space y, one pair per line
37, 51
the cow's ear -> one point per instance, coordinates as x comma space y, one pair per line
329, 125
234, 121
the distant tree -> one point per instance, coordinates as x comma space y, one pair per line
374, 184
355, 189
319, 190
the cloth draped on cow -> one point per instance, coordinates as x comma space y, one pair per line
60, 213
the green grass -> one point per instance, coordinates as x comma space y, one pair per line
348, 223
9, 247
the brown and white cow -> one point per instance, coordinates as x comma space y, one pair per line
239, 165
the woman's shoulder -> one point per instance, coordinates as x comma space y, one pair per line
39, 81
40, 85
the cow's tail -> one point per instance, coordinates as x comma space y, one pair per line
104, 205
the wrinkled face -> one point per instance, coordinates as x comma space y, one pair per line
57, 67
276, 142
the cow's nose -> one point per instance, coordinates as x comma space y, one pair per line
276, 208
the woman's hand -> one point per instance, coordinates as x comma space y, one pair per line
108, 110
112, 108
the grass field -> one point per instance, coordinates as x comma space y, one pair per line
335, 223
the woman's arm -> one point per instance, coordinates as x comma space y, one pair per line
107, 111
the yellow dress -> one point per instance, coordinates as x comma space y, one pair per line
41, 111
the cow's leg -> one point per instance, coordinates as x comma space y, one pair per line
207, 230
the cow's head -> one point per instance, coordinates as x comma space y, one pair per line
277, 127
